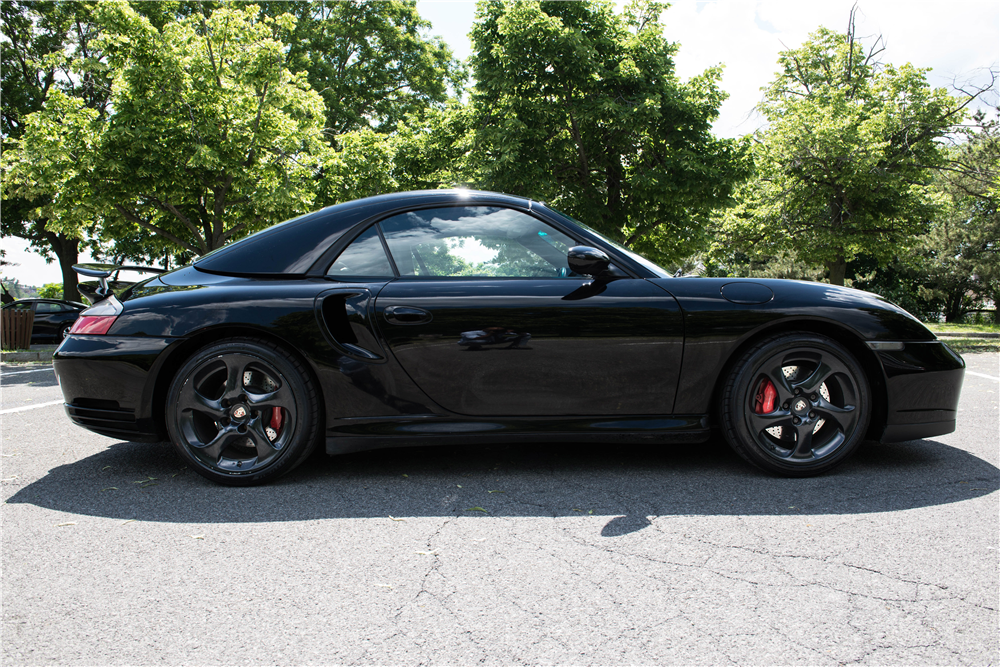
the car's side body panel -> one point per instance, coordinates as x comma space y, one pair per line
922, 382
569, 347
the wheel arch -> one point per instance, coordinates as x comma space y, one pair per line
191, 344
865, 357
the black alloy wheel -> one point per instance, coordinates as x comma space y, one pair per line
243, 412
796, 404
64, 331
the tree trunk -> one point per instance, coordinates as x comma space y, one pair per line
837, 269
70, 277
67, 249
953, 307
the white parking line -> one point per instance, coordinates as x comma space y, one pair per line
981, 375
29, 407
34, 370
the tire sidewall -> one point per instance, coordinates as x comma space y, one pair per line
737, 400
298, 446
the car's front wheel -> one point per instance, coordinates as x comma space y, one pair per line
796, 404
243, 412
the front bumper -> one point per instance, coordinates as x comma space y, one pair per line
108, 383
923, 385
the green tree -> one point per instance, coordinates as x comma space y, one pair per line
580, 106
211, 136
50, 291
368, 60
46, 47
843, 165
962, 249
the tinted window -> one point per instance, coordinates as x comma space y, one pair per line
48, 308
475, 241
364, 259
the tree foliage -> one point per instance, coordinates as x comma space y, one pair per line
47, 48
581, 107
962, 249
211, 138
843, 166
369, 61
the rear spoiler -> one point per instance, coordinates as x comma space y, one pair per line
104, 288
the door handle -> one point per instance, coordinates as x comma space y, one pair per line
407, 315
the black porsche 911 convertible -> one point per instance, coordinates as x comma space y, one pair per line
453, 316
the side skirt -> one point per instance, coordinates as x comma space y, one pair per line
354, 435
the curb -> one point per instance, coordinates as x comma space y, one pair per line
38, 353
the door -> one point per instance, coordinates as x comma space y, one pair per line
488, 320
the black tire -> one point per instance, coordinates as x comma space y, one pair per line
818, 410
243, 412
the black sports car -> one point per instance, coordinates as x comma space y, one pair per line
455, 316
53, 317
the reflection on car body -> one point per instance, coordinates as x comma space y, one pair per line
475, 340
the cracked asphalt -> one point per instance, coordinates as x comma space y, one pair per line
113, 553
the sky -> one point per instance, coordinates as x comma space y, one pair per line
960, 43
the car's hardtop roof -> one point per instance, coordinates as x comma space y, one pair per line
293, 246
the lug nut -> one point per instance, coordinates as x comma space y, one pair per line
798, 391
812, 397
812, 415
796, 420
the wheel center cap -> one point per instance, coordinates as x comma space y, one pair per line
800, 406
239, 413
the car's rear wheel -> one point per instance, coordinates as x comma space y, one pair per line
796, 404
64, 331
243, 412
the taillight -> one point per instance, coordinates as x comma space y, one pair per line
94, 325
97, 320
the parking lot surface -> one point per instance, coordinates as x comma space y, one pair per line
115, 553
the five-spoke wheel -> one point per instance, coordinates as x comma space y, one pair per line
242, 411
796, 404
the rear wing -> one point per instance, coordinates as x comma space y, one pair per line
103, 288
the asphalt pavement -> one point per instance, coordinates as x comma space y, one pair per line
114, 553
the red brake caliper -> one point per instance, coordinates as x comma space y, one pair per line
277, 417
764, 401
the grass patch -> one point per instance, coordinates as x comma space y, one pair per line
967, 345
962, 327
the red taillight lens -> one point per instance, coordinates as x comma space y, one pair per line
93, 325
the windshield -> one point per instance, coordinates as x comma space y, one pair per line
638, 259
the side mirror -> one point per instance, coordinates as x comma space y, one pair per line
587, 261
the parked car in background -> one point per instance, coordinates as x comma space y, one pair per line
53, 317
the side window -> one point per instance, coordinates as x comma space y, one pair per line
47, 308
475, 241
364, 259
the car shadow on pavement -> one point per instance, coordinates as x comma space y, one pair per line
628, 483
